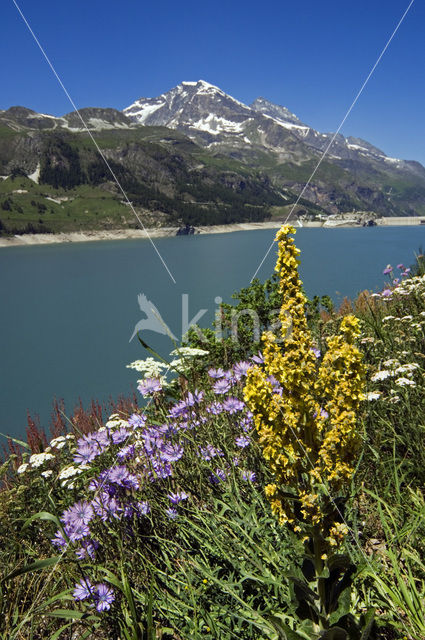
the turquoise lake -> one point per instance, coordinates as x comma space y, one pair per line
68, 310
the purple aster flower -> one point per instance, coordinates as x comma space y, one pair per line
126, 453
179, 409
83, 589
215, 408
217, 476
249, 476
233, 405
243, 441
324, 413
137, 421
216, 373
80, 513
171, 513
59, 540
386, 293
241, 369
316, 352
235, 462
120, 435
209, 452
149, 386
230, 377
171, 452
77, 532
177, 497
121, 476
401, 266
221, 386
143, 507
101, 438
160, 470
276, 387
387, 269
258, 359
88, 549
106, 507
86, 452
194, 398
104, 597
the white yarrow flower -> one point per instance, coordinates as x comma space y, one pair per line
22, 468
46, 474
373, 395
405, 382
381, 375
37, 459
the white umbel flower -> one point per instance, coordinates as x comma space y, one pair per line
373, 395
38, 459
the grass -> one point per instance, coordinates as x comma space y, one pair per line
198, 553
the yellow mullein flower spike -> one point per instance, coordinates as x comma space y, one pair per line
308, 432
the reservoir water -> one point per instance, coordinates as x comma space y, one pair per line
68, 310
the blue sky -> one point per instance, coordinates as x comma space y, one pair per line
310, 56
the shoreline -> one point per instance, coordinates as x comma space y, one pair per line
32, 239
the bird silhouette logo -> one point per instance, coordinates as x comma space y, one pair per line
153, 320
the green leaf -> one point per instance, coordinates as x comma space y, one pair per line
42, 515
335, 633
34, 566
368, 622
21, 442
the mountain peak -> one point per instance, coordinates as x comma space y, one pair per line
264, 106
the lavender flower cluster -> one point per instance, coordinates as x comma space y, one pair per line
145, 453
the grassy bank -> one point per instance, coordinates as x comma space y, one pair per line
160, 522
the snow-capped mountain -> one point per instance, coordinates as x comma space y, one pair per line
217, 120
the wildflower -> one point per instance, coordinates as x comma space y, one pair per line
388, 269
171, 453
177, 497
59, 540
209, 452
22, 468
137, 421
386, 293
188, 352
149, 386
249, 476
127, 452
68, 472
171, 513
38, 459
104, 597
120, 435
143, 507
316, 352
407, 368
194, 398
381, 375
258, 359
240, 369
405, 382
83, 589
58, 443
243, 441
373, 395
216, 373
47, 474
215, 408
401, 266
233, 405
121, 476
222, 386
217, 476
81, 513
